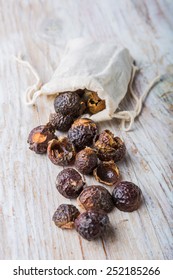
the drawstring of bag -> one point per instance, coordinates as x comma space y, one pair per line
128, 117
32, 92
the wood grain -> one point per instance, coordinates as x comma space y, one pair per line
28, 197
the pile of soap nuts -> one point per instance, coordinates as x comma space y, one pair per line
92, 153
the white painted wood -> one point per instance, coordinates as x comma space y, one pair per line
28, 197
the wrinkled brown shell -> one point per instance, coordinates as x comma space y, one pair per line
82, 133
127, 196
92, 224
65, 216
69, 183
61, 122
61, 151
94, 103
39, 137
96, 198
67, 103
109, 147
107, 172
86, 161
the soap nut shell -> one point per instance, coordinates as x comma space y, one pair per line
107, 172
127, 196
95, 197
86, 161
65, 216
61, 151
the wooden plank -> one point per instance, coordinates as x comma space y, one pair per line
28, 197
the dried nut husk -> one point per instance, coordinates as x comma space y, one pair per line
39, 138
61, 122
94, 103
109, 147
69, 183
61, 151
67, 103
95, 198
127, 196
65, 216
92, 224
86, 161
107, 172
82, 133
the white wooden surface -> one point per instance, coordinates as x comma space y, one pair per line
28, 197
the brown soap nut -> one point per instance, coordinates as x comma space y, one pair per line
65, 216
39, 137
69, 183
61, 151
96, 198
107, 172
109, 147
86, 161
127, 196
94, 103
82, 133
92, 224
61, 122
67, 103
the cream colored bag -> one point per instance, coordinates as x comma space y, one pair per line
101, 67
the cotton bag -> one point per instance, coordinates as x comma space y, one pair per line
101, 67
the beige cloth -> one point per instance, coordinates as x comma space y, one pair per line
102, 67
